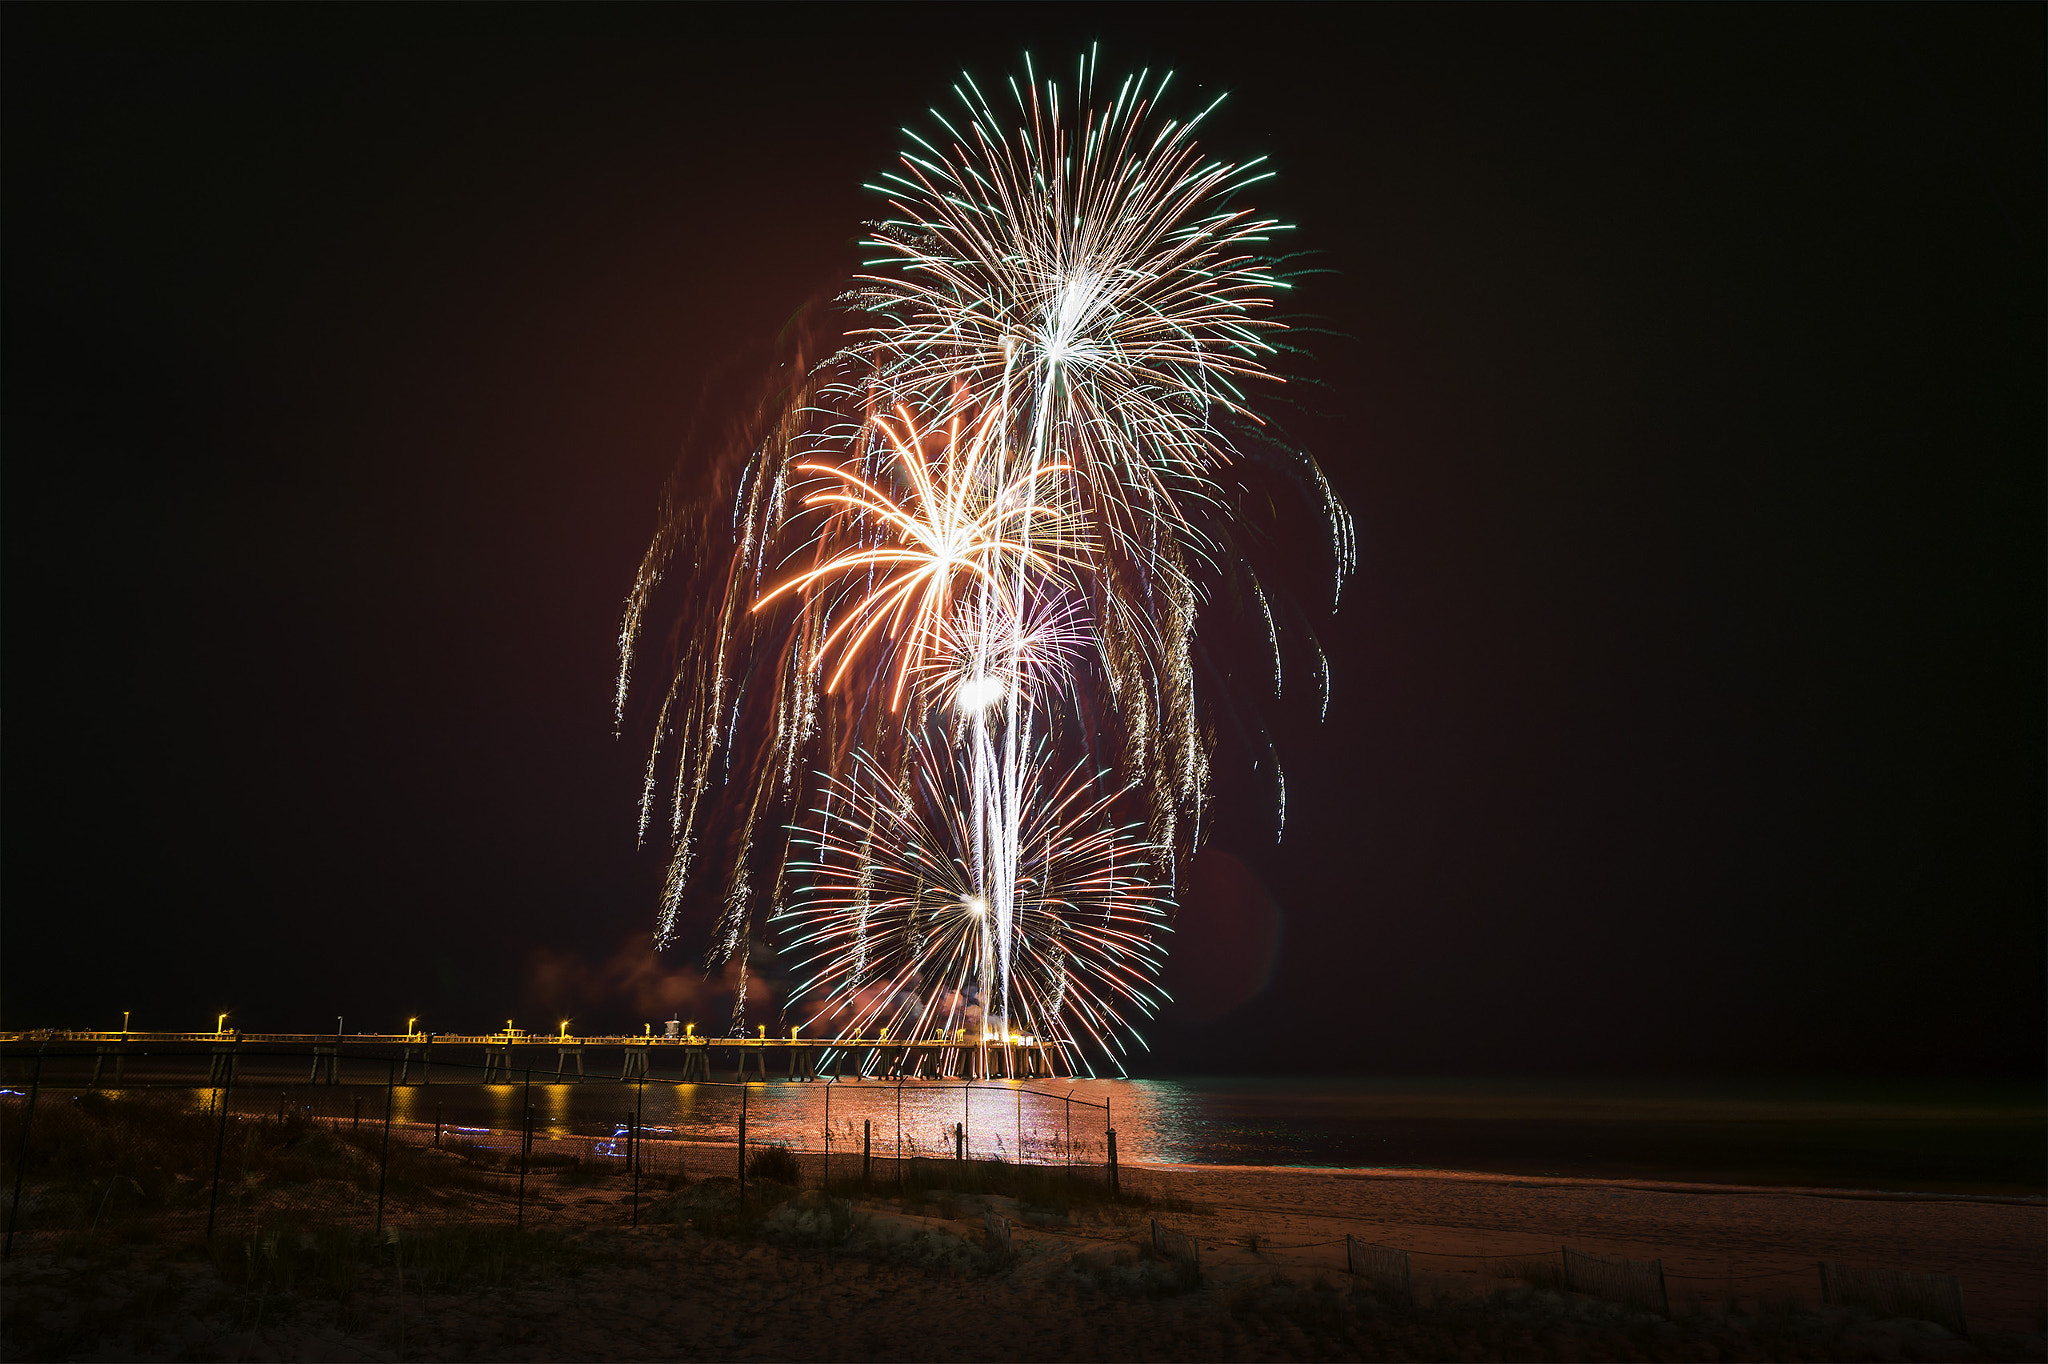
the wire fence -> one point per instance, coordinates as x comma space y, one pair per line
170, 1144
192, 1144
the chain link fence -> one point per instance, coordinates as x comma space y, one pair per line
190, 1145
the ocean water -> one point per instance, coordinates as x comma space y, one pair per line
1987, 1137
1961, 1137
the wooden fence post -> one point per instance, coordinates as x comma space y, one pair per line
221, 1141
384, 1157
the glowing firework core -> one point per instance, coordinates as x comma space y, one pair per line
980, 692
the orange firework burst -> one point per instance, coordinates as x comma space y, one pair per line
965, 519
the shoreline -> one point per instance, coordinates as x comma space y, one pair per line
1393, 1172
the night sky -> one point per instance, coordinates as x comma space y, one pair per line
1682, 365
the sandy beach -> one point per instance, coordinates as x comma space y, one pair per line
880, 1277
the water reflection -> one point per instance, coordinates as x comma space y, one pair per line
1776, 1132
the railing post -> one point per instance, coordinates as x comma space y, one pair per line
384, 1156
220, 1141
633, 1149
1114, 1190
525, 1142
826, 1183
28, 1123
743, 1148
867, 1155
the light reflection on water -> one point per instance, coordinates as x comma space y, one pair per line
1781, 1131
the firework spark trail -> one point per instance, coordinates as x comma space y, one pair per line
1076, 299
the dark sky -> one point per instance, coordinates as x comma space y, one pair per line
1682, 365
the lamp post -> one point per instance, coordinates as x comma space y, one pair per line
221, 1024
124, 1019
408, 1024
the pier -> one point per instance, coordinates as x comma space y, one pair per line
502, 1057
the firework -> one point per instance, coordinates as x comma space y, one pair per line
893, 929
966, 516
1000, 507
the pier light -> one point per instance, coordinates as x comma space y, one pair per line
565, 1027
508, 1027
408, 1024
650, 1030
124, 1019
764, 1031
690, 1030
221, 1024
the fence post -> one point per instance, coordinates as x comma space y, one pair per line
28, 1122
384, 1156
633, 1147
525, 1142
220, 1141
743, 1148
1020, 1122
1114, 1190
867, 1157
959, 1141
826, 1183
899, 1126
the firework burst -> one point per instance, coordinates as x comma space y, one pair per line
892, 928
1000, 506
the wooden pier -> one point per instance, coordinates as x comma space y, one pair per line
506, 1057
